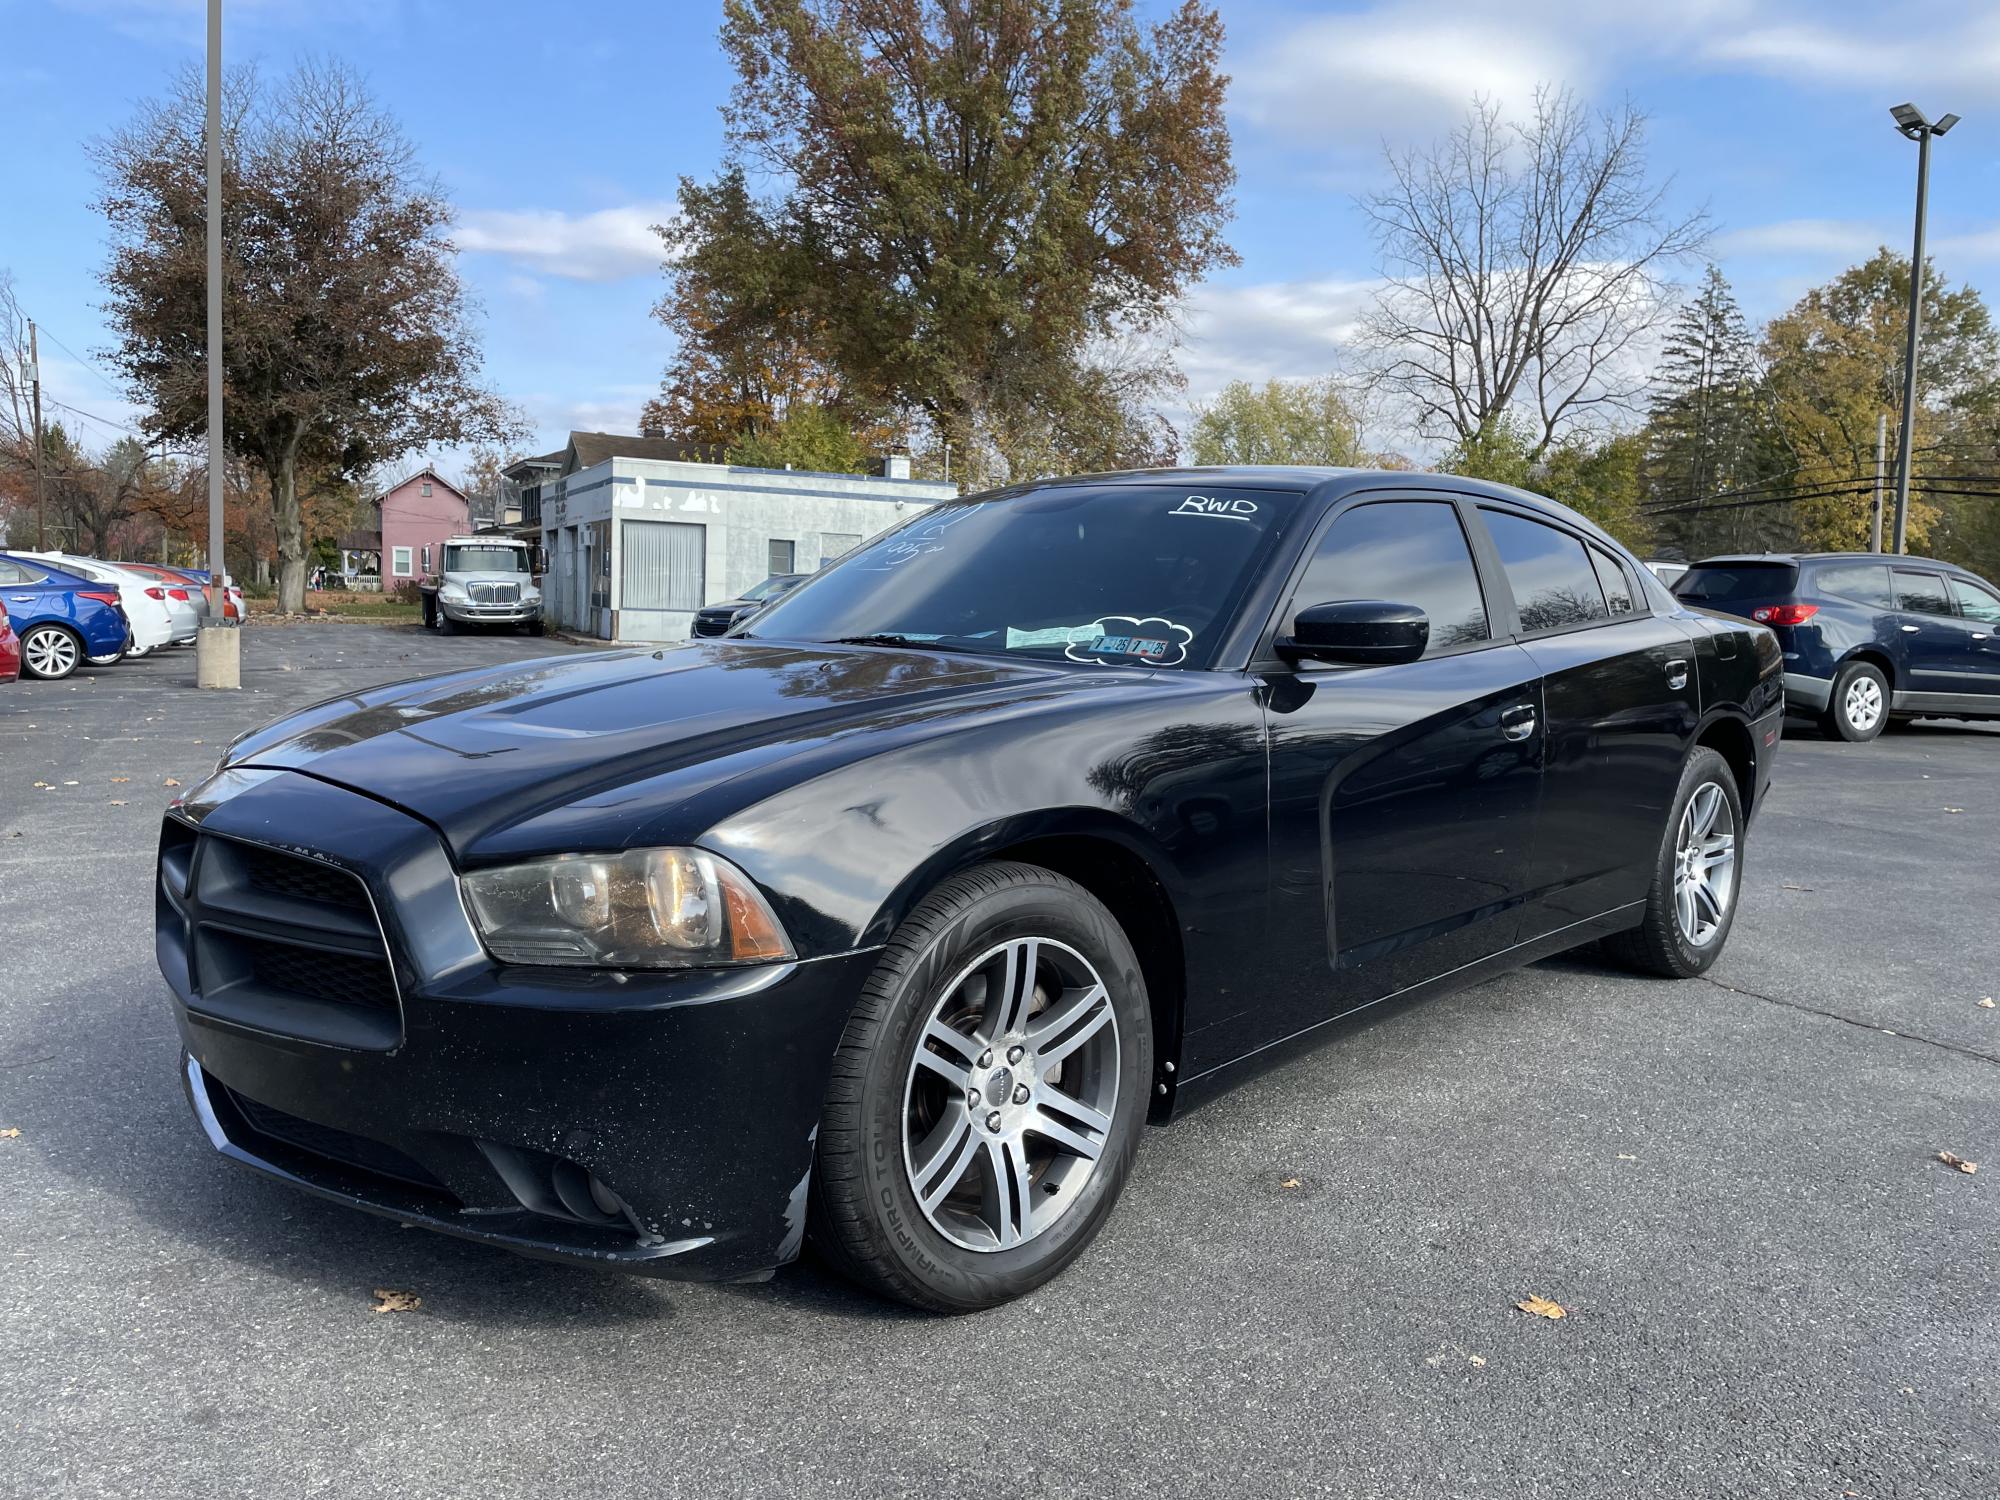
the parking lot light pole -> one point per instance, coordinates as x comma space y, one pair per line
1914, 124
218, 650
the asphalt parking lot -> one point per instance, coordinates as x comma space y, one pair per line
1773, 1286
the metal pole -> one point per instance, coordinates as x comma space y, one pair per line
41, 484
1903, 442
1881, 458
218, 648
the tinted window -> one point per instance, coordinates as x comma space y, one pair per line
1921, 594
1725, 583
1976, 602
1554, 584
469, 559
1140, 574
1620, 588
14, 572
1407, 552
1864, 583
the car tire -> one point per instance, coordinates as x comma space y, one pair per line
445, 623
52, 653
1007, 1207
430, 611
1858, 708
1707, 809
537, 628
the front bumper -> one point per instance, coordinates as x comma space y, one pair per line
491, 614
473, 1098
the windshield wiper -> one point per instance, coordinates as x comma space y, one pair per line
890, 638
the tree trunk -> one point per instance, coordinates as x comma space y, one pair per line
290, 523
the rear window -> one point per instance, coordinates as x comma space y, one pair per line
1727, 583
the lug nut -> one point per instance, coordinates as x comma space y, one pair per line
1014, 1054
986, 1058
1021, 1093
972, 1098
993, 1122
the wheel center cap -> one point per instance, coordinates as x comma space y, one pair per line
999, 1086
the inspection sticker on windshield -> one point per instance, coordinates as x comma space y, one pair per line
1215, 505
1140, 638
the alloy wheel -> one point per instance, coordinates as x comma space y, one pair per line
1863, 702
1705, 864
1008, 1104
50, 652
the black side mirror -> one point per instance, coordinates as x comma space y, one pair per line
1358, 632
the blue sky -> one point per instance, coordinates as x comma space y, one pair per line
560, 131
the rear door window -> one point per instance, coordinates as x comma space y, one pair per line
1921, 593
1621, 589
1732, 583
1555, 586
1864, 583
1976, 602
1405, 552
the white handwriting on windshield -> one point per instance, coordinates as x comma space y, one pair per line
1213, 505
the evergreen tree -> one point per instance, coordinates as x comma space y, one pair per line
1709, 432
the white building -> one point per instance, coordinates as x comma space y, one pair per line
638, 535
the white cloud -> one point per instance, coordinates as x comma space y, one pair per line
608, 245
1284, 330
1884, 52
1808, 237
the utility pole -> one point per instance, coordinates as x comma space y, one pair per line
1881, 455
219, 646
41, 482
1917, 126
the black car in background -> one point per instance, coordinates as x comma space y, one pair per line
1868, 638
715, 619
893, 918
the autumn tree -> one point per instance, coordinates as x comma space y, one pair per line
347, 337
1281, 422
1834, 362
975, 201
1523, 264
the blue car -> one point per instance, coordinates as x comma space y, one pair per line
60, 618
1868, 638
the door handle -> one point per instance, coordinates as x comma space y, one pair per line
1979, 635
1518, 722
24, 598
1677, 675
1910, 630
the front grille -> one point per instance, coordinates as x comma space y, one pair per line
306, 879
279, 941
493, 593
707, 624
356, 1151
332, 978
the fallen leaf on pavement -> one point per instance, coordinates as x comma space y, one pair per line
1477, 1359
1541, 1307
1623, 1157
1987, 1003
116, 803
11, 1133
1289, 1182
1967, 1167
121, 778
1955, 809
70, 783
170, 782
387, 1301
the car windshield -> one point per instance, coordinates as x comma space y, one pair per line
777, 583
485, 560
1138, 575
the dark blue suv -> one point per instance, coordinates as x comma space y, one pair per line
1867, 637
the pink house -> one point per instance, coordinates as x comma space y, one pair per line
412, 519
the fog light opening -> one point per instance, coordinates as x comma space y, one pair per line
585, 1197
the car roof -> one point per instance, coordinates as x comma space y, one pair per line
1737, 559
56, 574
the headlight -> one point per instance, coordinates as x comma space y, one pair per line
647, 909
452, 591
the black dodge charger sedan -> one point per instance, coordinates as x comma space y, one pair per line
891, 918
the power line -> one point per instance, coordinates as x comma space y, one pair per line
93, 417
95, 373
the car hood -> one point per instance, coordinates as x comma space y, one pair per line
555, 752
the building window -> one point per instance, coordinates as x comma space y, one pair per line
399, 560
663, 565
833, 543
782, 556
427, 489
600, 573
